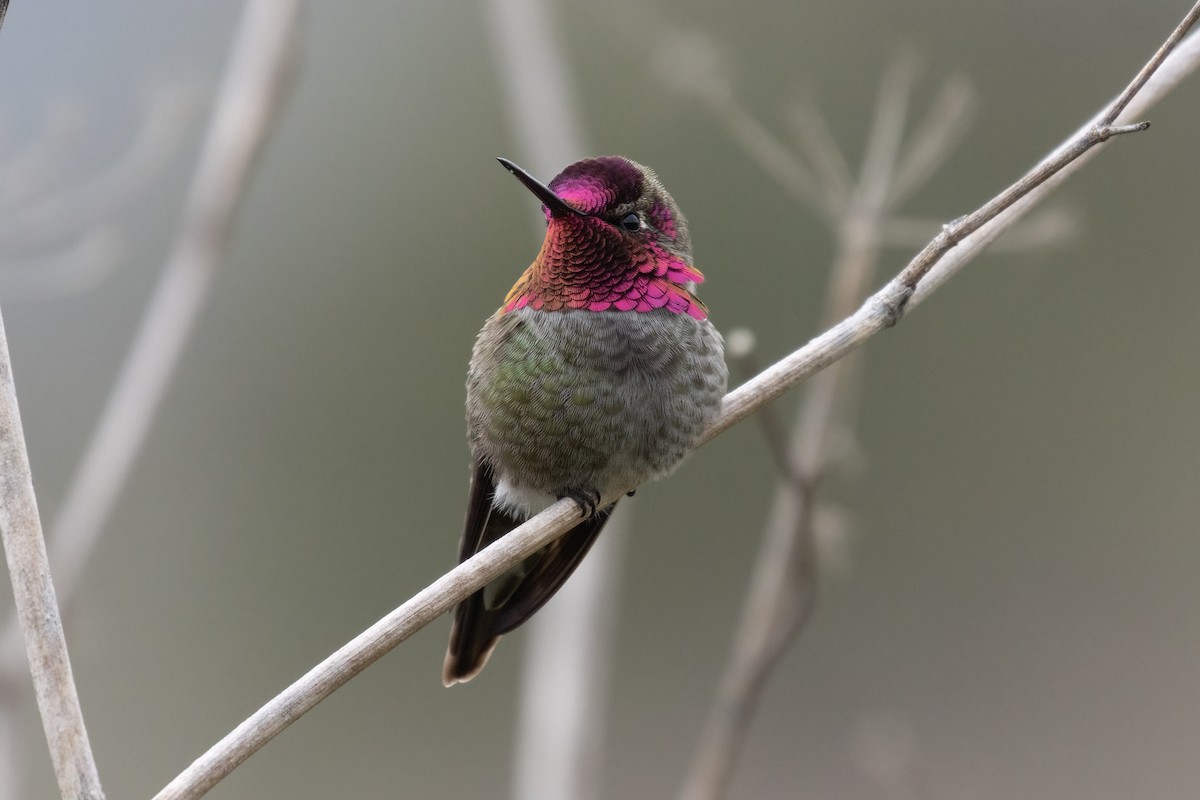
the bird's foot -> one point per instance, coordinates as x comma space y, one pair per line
587, 499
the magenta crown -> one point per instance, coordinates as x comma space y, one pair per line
596, 185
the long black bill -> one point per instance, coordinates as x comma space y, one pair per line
558, 207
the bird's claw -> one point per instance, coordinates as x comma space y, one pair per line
587, 499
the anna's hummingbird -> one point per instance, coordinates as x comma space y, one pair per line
600, 371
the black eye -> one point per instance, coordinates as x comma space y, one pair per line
631, 222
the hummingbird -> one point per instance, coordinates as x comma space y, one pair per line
600, 371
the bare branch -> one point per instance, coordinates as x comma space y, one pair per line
1181, 63
37, 609
1102, 128
956, 231
880, 311
1123, 100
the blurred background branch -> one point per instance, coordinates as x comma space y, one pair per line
783, 588
247, 104
59, 241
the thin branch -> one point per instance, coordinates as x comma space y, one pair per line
1183, 61
37, 608
956, 231
1102, 128
1123, 100
880, 311
248, 102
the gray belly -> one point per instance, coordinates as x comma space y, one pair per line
591, 400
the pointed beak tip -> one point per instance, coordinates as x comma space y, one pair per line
556, 204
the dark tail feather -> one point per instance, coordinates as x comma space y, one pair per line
549, 569
514, 597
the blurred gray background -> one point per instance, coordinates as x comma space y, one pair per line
1017, 616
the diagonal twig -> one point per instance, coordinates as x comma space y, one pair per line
1100, 130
